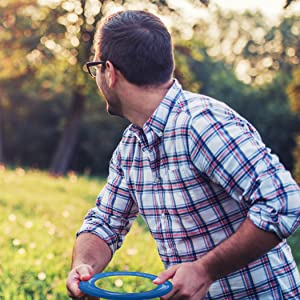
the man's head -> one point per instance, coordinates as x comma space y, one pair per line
139, 45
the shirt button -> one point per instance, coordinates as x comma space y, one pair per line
157, 180
159, 133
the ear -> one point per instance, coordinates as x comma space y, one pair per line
110, 74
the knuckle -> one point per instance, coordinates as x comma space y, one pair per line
177, 284
185, 293
80, 267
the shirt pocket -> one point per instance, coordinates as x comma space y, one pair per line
183, 188
187, 205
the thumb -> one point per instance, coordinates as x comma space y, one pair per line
85, 272
164, 276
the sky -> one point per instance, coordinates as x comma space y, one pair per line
271, 8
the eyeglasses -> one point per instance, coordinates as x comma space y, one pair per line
92, 67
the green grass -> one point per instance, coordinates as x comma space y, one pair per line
39, 219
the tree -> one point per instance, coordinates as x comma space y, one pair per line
266, 106
11, 66
53, 40
89, 16
254, 49
83, 16
53, 37
2, 159
293, 91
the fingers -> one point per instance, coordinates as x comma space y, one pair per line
164, 276
171, 295
80, 273
188, 282
85, 272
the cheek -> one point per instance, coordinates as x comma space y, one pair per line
98, 81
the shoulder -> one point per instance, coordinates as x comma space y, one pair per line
128, 136
202, 114
202, 110
130, 141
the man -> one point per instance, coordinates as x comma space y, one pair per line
219, 205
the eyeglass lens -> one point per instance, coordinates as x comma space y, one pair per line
93, 70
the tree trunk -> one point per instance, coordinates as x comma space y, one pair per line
65, 149
2, 160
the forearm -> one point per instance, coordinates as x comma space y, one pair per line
246, 245
90, 249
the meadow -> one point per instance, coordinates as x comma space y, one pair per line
39, 218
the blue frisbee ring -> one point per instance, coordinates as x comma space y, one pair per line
89, 287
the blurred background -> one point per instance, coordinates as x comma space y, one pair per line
53, 118
53, 121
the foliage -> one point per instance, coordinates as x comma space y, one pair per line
39, 219
294, 242
268, 109
99, 134
297, 159
53, 40
293, 91
57, 36
267, 106
254, 49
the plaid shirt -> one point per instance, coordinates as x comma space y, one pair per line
195, 171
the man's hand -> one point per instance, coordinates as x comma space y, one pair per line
190, 281
90, 256
82, 272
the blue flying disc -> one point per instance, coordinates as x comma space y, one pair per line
89, 288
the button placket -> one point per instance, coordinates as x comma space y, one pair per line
157, 181
163, 222
164, 225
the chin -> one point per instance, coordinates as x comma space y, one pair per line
112, 112
109, 110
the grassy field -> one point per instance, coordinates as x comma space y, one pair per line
39, 219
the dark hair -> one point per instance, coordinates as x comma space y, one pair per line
139, 45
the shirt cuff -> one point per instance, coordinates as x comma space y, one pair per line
268, 219
103, 232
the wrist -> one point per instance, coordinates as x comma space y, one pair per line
203, 269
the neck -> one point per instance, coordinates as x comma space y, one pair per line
140, 102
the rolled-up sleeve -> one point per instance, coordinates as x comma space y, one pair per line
230, 152
115, 211
276, 202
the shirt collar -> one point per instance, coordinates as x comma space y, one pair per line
155, 125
